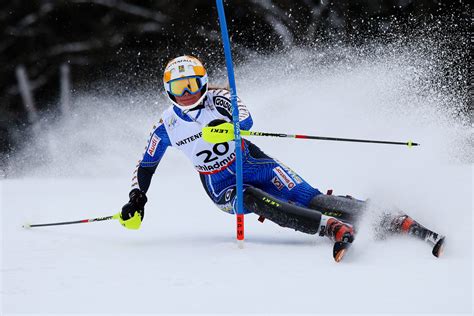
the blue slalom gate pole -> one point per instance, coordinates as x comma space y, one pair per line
235, 119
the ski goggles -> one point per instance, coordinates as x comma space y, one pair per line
190, 84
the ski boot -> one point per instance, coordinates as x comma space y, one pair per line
404, 224
341, 233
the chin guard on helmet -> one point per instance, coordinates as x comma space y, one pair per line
185, 74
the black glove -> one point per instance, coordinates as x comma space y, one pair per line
216, 122
137, 202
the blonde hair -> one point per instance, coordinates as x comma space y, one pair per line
218, 86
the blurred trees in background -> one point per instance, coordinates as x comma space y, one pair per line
80, 42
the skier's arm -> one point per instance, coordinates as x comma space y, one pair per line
156, 148
134, 211
224, 106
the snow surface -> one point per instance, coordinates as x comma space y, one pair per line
185, 259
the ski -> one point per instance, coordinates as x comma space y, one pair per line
339, 250
437, 241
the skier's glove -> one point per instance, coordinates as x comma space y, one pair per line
216, 122
134, 211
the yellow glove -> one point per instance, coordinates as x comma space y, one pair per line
133, 212
133, 222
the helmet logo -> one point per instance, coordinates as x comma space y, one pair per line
181, 68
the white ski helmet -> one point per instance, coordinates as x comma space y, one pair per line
185, 74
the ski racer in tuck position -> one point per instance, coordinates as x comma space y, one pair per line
271, 189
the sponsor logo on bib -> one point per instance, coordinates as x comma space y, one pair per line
189, 139
217, 166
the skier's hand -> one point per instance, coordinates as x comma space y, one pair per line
134, 211
216, 122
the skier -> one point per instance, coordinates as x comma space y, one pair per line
271, 189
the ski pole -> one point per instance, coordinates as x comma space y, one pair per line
98, 219
225, 132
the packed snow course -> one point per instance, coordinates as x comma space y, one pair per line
185, 259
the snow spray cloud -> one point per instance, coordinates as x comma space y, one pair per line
104, 133
400, 82
373, 90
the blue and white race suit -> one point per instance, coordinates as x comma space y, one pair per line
216, 162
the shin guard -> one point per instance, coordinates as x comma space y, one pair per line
282, 213
347, 209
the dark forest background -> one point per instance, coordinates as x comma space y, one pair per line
49, 49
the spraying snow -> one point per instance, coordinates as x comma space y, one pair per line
184, 259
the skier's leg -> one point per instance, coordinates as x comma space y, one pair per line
345, 208
399, 223
222, 193
282, 213
280, 181
298, 218
350, 210
278, 193
275, 178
